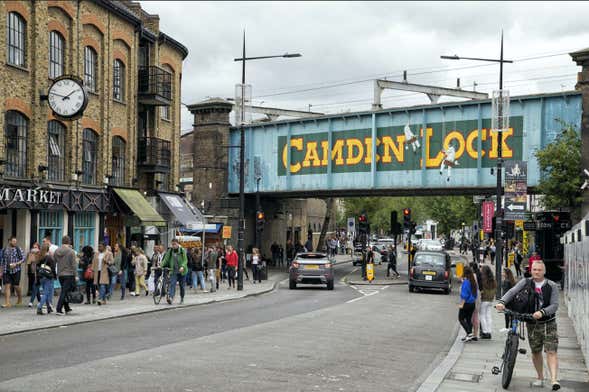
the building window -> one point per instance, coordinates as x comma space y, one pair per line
84, 223
55, 151
89, 156
17, 127
17, 28
118, 160
161, 181
90, 68
165, 112
56, 54
118, 81
51, 224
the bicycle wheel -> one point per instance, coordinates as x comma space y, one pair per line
158, 289
509, 360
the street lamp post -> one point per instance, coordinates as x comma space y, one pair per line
499, 213
241, 228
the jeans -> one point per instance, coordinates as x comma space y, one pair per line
90, 290
231, 276
102, 289
47, 297
67, 284
198, 278
113, 283
257, 273
188, 276
123, 278
465, 317
181, 280
35, 288
392, 267
213, 278
485, 317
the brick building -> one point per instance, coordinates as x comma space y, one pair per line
84, 177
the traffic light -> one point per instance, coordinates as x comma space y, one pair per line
407, 218
260, 220
363, 223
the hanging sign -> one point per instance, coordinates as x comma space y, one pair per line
488, 208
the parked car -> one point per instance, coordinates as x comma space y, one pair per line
431, 270
435, 245
311, 268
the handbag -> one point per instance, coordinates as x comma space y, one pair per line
88, 273
75, 296
44, 271
112, 270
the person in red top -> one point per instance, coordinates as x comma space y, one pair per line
535, 256
232, 258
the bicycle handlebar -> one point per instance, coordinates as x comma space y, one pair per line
519, 316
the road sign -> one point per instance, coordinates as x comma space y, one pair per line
516, 188
370, 272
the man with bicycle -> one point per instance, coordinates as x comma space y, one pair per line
543, 332
177, 261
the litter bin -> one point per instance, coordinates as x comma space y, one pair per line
459, 269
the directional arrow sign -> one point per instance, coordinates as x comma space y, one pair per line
517, 207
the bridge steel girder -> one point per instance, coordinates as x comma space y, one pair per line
274, 113
433, 92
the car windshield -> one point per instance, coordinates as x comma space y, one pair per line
431, 243
311, 256
429, 259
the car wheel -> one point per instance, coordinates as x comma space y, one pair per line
446, 291
330, 285
411, 289
292, 284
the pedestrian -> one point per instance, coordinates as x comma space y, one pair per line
308, 245
176, 259
290, 253
191, 264
11, 260
543, 332
492, 251
115, 274
131, 270
65, 260
275, 252
100, 263
257, 265
46, 274
212, 257
280, 255
534, 257
52, 247
32, 263
392, 259
489, 286
232, 261
518, 260
507, 282
88, 273
468, 295
125, 264
198, 278
140, 263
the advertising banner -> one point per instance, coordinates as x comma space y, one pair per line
488, 212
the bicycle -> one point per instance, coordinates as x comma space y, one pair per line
162, 286
516, 332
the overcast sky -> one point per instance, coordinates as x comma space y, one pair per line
354, 42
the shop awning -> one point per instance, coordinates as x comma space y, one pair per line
212, 228
140, 207
188, 216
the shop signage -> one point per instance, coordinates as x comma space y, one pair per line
226, 232
516, 189
43, 196
488, 211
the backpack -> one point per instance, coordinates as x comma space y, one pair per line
524, 300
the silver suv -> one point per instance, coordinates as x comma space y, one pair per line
313, 268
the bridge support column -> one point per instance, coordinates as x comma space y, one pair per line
582, 58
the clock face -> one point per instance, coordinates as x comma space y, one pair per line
67, 97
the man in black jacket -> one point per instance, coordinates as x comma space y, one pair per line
543, 332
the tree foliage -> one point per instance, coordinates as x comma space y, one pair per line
448, 211
560, 165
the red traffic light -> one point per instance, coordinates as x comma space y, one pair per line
362, 218
556, 218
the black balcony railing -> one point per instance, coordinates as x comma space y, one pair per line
155, 86
154, 155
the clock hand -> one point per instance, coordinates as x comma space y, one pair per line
57, 95
67, 96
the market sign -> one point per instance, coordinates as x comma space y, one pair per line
516, 190
30, 195
452, 144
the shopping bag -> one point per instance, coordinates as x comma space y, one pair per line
151, 283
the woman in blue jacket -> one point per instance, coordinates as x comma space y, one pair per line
468, 296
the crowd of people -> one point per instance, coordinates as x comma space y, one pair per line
97, 273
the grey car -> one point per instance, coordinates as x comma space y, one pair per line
311, 268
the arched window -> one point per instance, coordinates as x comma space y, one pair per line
55, 151
17, 128
90, 68
118, 81
17, 39
89, 156
118, 160
56, 54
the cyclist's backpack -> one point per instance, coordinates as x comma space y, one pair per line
524, 300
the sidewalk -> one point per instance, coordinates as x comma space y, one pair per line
468, 365
23, 319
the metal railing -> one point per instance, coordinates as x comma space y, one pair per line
154, 152
155, 81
